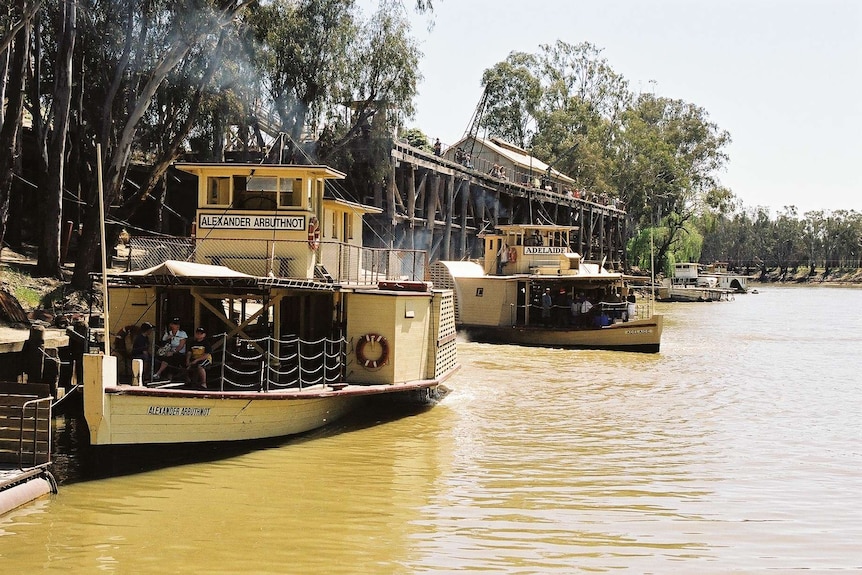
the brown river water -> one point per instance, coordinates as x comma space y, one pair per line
737, 449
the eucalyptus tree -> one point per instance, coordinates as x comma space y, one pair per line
133, 46
786, 240
416, 138
53, 142
381, 83
580, 112
512, 96
303, 56
669, 158
564, 103
15, 35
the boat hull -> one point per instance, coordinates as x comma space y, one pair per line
136, 415
693, 294
638, 336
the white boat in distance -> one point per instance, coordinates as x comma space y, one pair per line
692, 282
311, 326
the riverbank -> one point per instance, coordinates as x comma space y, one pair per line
804, 276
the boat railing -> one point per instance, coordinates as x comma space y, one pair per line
279, 363
562, 316
25, 438
335, 261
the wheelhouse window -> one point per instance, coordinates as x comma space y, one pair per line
290, 193
218, 191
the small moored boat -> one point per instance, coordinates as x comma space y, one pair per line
688, 284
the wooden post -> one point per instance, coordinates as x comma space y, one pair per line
390, 201
448, 209
411, 204
464, 189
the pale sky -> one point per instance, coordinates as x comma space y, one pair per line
783, 77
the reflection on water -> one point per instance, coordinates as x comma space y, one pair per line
735, 449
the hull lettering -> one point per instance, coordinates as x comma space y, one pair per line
182, 411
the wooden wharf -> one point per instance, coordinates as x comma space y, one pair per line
433, 203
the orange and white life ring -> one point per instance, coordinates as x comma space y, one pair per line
513, 255
313, 233
362, 349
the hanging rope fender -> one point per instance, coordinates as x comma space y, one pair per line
372, 338
313, 233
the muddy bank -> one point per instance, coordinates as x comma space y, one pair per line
804, 276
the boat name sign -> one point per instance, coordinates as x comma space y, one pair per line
188, 411
234, 222
542, 250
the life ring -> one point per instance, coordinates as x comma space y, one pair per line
380, 361
313, 233
513, 255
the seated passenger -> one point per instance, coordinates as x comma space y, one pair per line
198, 358
173, 353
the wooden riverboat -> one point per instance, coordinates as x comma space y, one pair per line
306, 325
501, 300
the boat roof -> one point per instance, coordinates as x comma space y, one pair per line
515, 228
515, 154
353, 206
239, 169
173, 272
459, 269
586, 271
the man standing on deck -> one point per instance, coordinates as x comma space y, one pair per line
547, 302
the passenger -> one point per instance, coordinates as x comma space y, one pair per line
199, 357
141, 347
502, 258
631, 306
547, 302
438, 147
575, 310
174, 352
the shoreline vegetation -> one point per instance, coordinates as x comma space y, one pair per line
803, 275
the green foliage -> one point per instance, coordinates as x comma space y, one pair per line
416, 138
659, 155
513, 93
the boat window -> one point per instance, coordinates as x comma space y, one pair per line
348, 226
218, 191
253, 193
335, 217
290, 195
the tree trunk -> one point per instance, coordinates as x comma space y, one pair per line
10, 130
49, 248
